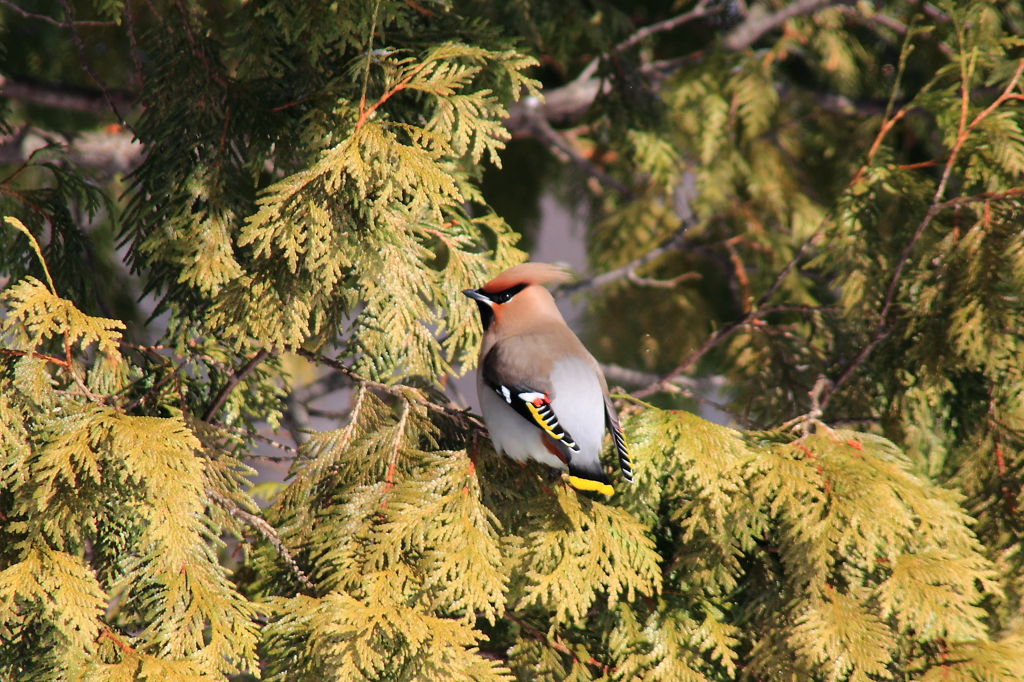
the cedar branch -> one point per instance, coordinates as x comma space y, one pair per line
405, 393
268, 532
723, 333
235, 379
963, 132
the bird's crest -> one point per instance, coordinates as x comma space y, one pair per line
528, 273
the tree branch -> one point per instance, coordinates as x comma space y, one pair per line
537, 124
661, 283
597, 281
51, 20
759, 22
235, 379
245, 433
406, 393
268, 532
881, 327
62, 96
699, 11
70, 23
109, 151
723, 333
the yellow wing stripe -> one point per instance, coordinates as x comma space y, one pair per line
584, 484
542, 422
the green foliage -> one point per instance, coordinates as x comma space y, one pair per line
836, 209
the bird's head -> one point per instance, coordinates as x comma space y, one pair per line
517, 296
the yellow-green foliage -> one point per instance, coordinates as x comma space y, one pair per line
310, 194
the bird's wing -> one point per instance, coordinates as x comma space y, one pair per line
531, 399
611, 418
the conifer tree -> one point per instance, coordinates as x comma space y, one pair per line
814, 207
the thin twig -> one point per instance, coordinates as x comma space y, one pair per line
39, 356
369, 51
1013, 193
74, 375
268, 532
699, 11
662, 283
759, 23
666, 382
936, 206
542, 130
69, 22
132, 43
365, 113
403, 392
759, 310
389, 477
51, 20
235, 379
117, 641
196, 50
740, 272
257, 436
891, 23
554, 643
671, 244
156, 388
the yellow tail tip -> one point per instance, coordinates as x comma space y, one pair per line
584, 484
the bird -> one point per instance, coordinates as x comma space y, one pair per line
543, 395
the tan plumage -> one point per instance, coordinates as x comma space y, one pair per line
543, 395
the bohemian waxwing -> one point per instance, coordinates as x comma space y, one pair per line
543, 395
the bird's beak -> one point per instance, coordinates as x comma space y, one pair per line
477, 296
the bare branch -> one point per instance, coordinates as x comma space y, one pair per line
296, 419
766, 296
759, 310
806, 422
406, 393
70, 23
598, 281
51, 20
759, 22
627, 377
235, 379
109, 151
666, 382
699, 11
661, 283
62, 96
268, 532
893, 24
539, 127
850, 367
